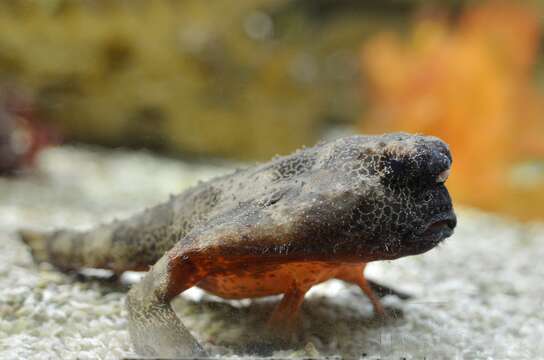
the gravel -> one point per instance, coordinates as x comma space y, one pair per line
479, 295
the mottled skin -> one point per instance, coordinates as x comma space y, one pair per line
277, 228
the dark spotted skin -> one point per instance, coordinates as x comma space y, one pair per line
281, 227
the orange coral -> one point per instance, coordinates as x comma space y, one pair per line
470, 85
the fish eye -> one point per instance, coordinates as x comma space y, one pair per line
397, 166
400, 168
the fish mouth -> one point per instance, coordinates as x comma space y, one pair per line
425, 238
439, 228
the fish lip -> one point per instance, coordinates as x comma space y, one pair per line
439, 227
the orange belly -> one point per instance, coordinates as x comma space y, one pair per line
271, 279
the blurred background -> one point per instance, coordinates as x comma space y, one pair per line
248, 79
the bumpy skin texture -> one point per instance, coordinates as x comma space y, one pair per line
281, 227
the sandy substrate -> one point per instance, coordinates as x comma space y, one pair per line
480, 295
